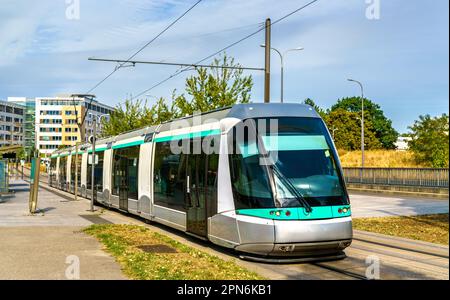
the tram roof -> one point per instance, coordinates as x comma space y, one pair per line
238, 111
267, 110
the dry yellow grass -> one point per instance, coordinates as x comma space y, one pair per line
428, 228
379, 159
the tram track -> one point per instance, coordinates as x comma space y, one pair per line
401, 248
340, 271
390, 247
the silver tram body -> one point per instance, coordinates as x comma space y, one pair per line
227, 197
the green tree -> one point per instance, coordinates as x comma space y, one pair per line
209, 89
125, 117
347, 130
430, 140
214, 88
382, 126
159, 113
22, 154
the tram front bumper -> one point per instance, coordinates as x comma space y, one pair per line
303, 238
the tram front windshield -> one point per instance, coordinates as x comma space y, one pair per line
303, 166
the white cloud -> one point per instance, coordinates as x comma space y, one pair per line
42, 52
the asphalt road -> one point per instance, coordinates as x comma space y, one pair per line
60, 220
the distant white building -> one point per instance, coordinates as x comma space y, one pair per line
57, 118
402, 143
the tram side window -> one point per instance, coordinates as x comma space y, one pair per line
125, 171
63, 169
211, 183
169, 177
52, 173
72, 169
53, 165
98, 172
249, 179
205, 166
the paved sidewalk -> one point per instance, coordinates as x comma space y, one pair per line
370, 205
47, 252
37, 247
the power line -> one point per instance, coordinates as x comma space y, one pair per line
145, 46
133, 62
138, 51
226, 48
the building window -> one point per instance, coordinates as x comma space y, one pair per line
71, 138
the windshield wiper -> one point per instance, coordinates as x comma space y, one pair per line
292, 189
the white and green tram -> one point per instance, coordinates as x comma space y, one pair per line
208, 175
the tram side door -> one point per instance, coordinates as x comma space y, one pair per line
196, 221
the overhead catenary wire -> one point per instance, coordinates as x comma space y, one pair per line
145, 46
138, 51
178, 72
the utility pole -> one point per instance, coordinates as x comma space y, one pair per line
267, 63
76, 172
94, 137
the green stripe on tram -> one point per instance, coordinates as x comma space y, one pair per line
100, 149
187, 135
130, 144
298, 213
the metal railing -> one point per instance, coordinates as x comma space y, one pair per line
418, 177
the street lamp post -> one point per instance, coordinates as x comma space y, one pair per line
334, 129
362, 119
282, 65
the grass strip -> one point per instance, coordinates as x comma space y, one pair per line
428, 228
144, 254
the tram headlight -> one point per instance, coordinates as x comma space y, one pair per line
343, 210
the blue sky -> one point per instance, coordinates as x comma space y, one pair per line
402, 58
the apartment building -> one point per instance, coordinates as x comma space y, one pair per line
11, 124
57, 120
29, 134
